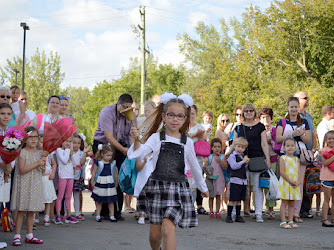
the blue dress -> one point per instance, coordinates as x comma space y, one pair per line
104, 189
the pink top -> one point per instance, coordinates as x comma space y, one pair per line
325, 173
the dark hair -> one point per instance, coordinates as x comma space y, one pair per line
27, 130
215, 140
6, 105
154, 120
266, 111
300, 120
125, 98
288, 139
15, 87
325, 138
82, 144
53, 96
195, 107
105, 148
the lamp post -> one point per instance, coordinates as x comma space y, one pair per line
16, 72
25, 27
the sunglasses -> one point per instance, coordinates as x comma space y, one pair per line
237, 114
305, 98
249, 111
64, 98
3, 96
225, 120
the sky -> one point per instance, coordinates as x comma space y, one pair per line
96, 38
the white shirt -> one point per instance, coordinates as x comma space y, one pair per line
65, 167
153, 144
31, 114
322, 129
194, 130
206, 126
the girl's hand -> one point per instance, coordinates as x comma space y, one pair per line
51, 176
42, 168
134, 132
246, 159
205, 194
87, 148
8, 169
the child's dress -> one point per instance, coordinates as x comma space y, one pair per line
285, 190
28, 188
78, 184
104, 183
48, 187
219, 183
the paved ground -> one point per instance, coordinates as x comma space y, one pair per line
211, 234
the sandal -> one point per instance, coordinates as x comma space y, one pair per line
297, 219
201, 211
246, 214
271, 215
327, 225
317, 213
284, 225
218, 215
34, 240
292, 224
16, 242
211, 215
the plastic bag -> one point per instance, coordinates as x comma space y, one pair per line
273, 186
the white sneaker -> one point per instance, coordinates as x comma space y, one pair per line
259, 219
46, 223
3, 245
141, 220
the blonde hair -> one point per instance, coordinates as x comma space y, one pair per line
208, 113
248, 105
241, 141
105, 148
219, 120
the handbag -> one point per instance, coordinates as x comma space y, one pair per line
256, 164
305, 156
202, 148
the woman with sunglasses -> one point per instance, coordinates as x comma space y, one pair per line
238, 118
256, 135
222, 122
299, 129
5, 95
64, 105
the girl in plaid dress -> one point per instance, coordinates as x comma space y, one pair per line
168, 194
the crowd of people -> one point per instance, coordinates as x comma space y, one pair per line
174, 173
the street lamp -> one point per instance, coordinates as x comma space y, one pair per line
16, 72
25, 27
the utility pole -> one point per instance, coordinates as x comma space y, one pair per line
16, 72
143, 61
25, 28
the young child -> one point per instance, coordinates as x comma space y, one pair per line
105, 180
327, 177
5, 169
66, 179
169, 197
215, 179
238, 179
207, 117
18, 106
27, 196
78, 162
288, 189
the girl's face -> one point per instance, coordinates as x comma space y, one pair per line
265, 120
107, 156
32, 140
40, 143
53, 106
76, 144
175, 117
67, 143
330, 140
238, 115
207, 119
216, 148
63, 106
224, 121
193, 115
293, 108
5, 116
15, 94
289, 147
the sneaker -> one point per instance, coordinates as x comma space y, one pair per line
54, 221
259, 219
36, 221
113, 219
80, 218
46, 223
141, 220
58, 220
240, 219
98, 219
3, 245
211, 215
71, 219
229, 219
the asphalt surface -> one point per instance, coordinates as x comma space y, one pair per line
211, 234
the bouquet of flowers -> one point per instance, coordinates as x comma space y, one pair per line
10, 145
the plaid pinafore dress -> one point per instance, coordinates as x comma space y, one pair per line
167, 190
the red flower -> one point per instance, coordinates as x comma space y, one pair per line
12, 136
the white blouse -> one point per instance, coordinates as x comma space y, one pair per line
153, 144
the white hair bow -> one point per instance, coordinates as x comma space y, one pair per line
99, 147
166, 97
82, 137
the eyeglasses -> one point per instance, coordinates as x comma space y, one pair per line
225, 120
64, 98
54, 103
5, 96
33, 136
180, 117
249, 111
237, 114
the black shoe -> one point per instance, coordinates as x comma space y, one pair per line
239, 219
99, 220
306, 215
119, 218
327, 225
113, 220
229, 219
251, 211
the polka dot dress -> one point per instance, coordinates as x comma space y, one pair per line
285, 190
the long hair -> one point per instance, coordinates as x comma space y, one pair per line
27, 130
331, 132
154, 120
300, 120
82, 144
105, 148
219, 127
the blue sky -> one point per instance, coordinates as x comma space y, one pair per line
95, 38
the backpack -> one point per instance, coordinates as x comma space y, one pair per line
277, 146
312, 184
8, 224
128, 176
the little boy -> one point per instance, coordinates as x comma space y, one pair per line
207, 117
238, 178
